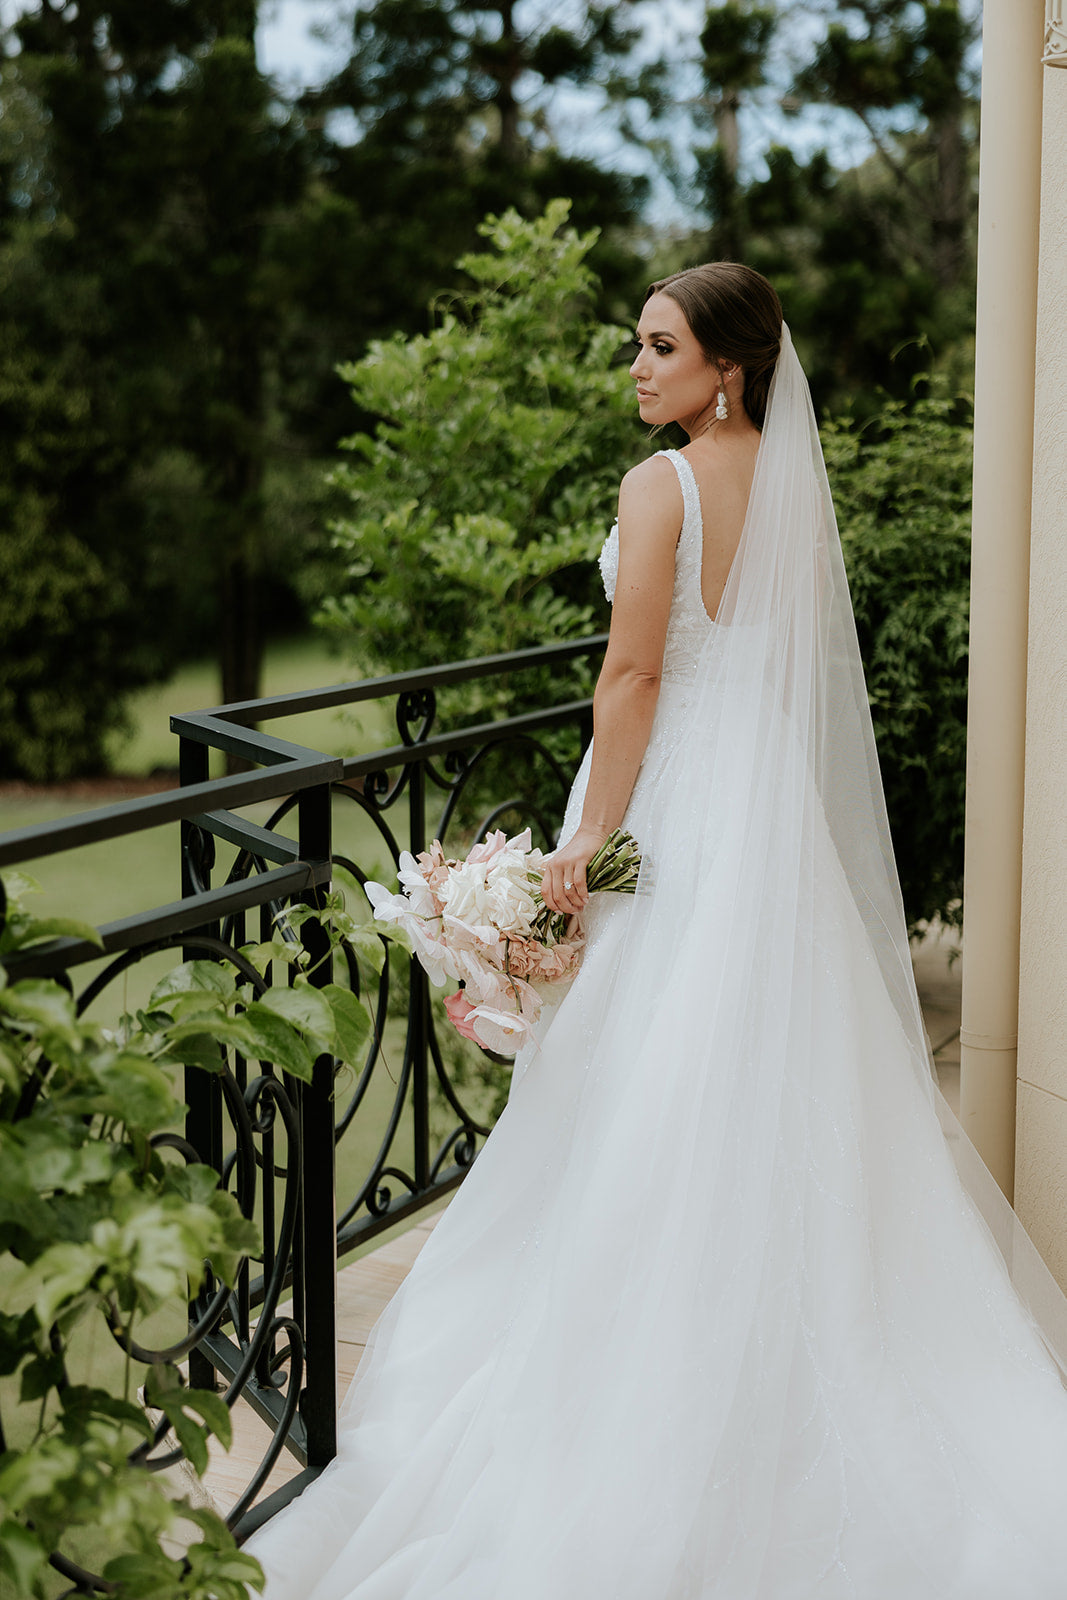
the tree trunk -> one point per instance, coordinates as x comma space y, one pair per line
241, 630
239, 490
508, 71
950, 216
727, 240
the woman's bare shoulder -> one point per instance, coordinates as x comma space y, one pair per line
651, 490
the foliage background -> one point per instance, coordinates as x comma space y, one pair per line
188, 249
902, 488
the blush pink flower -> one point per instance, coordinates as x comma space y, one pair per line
490, 846
494, 844
460, 1012
435, 868
555, 962
482, 923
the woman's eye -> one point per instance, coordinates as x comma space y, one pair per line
662, 349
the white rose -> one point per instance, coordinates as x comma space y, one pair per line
465, 895
512, 905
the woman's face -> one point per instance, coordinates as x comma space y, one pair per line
675, 380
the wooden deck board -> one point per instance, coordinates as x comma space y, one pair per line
364, 1289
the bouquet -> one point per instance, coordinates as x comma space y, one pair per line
482, 922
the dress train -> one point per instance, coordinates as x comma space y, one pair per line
712, 1317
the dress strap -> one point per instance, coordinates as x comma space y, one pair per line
693, 520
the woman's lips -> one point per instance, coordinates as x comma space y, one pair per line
645, 394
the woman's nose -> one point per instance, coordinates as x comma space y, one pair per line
636, 365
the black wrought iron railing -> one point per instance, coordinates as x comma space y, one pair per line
323, 1166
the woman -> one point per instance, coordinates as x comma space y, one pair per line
713, 1317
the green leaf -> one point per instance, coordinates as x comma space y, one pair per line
209, 977
305, 1008
369, 946
22, 1557
16, 1340
40, 1375
82, 1405
196, 1182
223, 1574
268, 1037
60, 928
19, 884
214, 1411
138, 1092
59, 1274
195, 1049
146, 1576
351, 1021
220, 1027
190, 1434
39, 1000
12, 1062
288, 952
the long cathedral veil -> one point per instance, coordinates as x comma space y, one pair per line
782, 691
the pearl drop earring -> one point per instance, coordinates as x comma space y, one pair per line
722, 410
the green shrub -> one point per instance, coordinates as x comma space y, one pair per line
489, 482
902, 487
98, 1227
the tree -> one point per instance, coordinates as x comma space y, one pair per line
449, 99
887, 57
869, 257
487, 486
65, 595
138, 235
734, 44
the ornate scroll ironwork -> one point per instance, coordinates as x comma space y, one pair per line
453, 785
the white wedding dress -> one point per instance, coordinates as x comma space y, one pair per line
712, 1317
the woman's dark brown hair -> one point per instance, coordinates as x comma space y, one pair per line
736, 317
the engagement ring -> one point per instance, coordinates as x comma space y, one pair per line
567, 884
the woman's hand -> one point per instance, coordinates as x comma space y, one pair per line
563, 886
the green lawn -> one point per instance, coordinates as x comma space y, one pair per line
304, 663
101, 882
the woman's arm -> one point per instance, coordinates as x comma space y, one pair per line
650, 519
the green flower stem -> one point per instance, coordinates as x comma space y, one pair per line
612, 869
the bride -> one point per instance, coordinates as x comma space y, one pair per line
728, 1308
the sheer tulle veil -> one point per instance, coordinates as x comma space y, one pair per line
782, 718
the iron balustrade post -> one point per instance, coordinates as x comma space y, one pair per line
203, 1119
318, 1221
270, 1220
419, 1001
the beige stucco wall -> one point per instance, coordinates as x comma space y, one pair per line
1041, 1128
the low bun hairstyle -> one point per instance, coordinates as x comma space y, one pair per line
736, 316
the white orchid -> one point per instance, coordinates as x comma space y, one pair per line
418, 890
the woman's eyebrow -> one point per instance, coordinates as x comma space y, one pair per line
650, 336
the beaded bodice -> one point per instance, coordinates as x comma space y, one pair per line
689, 624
